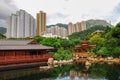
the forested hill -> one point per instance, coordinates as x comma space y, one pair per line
89, 23
2, 30
60, 25
92, 22
86, 33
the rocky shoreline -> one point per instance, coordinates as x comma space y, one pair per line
101, 60
104, 60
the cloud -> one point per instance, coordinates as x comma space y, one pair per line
6, 8
76, 10
66, 0
56, 17
114, 18
2, 23
117, 9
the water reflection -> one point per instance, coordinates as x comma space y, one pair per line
66, 72
18, 73
79, 75
82, 74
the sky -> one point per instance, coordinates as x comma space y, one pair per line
64, 11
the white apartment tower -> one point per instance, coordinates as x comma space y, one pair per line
12, 29
21, 25
57, 31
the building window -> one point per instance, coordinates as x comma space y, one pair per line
33, 52
1, 53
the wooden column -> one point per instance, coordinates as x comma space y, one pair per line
4, 54
37, 52
14, 53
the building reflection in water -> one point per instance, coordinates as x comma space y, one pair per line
81, 75
77, 72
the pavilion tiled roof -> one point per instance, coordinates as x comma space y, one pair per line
14, 42
21, 45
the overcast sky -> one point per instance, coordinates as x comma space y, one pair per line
64, 11
6, 8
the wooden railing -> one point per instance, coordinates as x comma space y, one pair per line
24, 59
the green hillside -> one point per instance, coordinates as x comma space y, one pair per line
92, 22
84, 35
2, 36
89, 23
2, 30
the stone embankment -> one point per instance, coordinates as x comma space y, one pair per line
51, 61
45, 68
106, 60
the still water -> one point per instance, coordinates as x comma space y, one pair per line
66, 72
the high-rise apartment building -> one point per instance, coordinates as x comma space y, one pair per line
79, 26
41, 23
83, 25
63, 32
21, 25
70, 28
57, 31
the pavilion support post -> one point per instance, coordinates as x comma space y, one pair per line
4, 55
37, 53
14, 53
46, 52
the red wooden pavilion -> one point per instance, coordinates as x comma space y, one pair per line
81, 55
22, 51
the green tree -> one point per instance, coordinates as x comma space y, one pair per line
57, 56
118, 25
54, 42
115, 32
103, 51
2, 36
85, 35
62, 54
97, 39
38, 39
116, 52
66, 43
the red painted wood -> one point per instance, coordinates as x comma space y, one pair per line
24, 59
85, 45
33, 42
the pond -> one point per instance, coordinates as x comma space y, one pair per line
66, 72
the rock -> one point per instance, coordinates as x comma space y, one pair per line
71, 60
87, 63
44, 68
110, 58
50, 61
101, 59
55, 62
